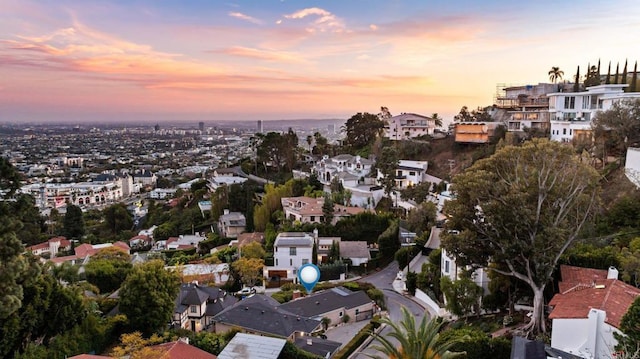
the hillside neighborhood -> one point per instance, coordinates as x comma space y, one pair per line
513, 229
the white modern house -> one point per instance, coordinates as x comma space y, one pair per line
408, 125
290, 251
632, 165
409, 173
588, 310
571, 113
449, 268
350, 170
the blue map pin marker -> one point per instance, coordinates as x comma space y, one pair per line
309, 275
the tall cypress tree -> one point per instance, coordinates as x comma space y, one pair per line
576, 85
598, 71
624, 75
615, 79
634, 78
608, 80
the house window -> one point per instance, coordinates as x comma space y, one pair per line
412, 173
292, 251
564, 131
305, 261
446, 266
276, 261
399, 173
194, 309
357, 311
340, 315
570, 102
313, 218
290, 261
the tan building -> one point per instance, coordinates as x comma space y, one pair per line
309, 210
475, 132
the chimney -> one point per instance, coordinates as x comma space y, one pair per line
296, 294
612, 273
309, 341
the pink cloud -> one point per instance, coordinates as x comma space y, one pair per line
264, 54
241, 16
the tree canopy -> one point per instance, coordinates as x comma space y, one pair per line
521, 208
618, 127
147, 296
73, 221
362, 129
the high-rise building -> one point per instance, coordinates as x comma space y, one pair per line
259, 129
201, 126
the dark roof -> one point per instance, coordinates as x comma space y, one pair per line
263, 314
195, 294
523, 348
326, 301
318, 346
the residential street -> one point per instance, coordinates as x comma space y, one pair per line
383, 280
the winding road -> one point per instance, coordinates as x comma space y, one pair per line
383, 280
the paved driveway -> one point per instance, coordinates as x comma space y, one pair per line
345, 332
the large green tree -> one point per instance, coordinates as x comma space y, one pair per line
117, 218
618, 127
387, 164
73, 223
12, 263
629, 343
362, 129
147, 296
521, 209
421, 341
108, 268
48, 309
463, 295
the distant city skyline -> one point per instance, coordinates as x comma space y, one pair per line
118, 61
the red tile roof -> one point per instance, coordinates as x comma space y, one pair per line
583, 289
182, 350
90, 356
38, 246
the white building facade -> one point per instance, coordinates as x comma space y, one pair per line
291, 250
408, 125
571, 113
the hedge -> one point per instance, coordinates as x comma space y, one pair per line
357, 341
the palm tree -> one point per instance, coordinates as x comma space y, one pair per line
309, 142
555, 74
419, 342
438, 120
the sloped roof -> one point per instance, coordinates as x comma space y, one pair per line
317, 346
181, 350
264, 314
195, 294
252, 346
586, 289
326, 301
354, 249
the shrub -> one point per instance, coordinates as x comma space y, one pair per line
350, 347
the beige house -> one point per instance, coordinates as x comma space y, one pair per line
231, 224
309, 210
338, 304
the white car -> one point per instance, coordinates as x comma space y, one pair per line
400, 275
246, 291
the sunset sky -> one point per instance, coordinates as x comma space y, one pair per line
200, 60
